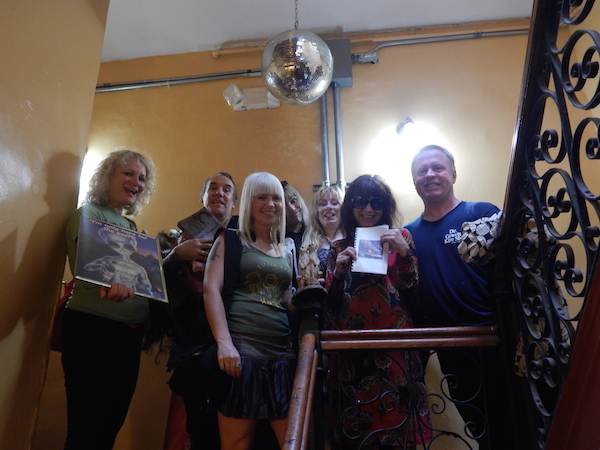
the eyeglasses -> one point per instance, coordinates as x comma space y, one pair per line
377, 203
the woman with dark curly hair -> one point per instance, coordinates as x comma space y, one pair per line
103, 327
383, 394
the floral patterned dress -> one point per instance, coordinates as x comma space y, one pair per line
381, 393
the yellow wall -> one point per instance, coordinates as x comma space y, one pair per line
467, 90
50, 52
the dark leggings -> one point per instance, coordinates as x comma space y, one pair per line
101, 359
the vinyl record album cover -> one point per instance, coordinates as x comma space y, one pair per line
108, 254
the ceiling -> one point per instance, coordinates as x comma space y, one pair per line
140, 28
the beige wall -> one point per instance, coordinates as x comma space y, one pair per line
50, 52
467, 90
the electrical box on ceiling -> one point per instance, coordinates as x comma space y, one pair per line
342, 61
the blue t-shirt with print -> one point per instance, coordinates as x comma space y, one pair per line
452, 292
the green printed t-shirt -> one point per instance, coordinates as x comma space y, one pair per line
256, 306
86, 296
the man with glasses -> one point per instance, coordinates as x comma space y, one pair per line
454, 293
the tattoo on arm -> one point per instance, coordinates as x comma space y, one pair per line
213, 254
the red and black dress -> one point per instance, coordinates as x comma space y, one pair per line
382, 393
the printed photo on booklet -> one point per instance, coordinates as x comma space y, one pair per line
371, 255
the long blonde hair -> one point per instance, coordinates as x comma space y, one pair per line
256, 184
315, 233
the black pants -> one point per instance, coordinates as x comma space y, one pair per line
101, 359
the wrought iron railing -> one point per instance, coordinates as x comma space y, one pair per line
547, 296
551, 215
303, 432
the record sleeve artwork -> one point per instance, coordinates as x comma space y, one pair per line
108, 254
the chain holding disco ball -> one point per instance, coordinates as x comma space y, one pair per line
297, 66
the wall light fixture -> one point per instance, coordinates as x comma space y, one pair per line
251, 98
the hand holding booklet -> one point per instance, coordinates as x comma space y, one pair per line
201, 225
371, 254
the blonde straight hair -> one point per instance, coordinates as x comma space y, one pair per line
256, 184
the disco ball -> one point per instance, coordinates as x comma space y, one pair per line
297, 67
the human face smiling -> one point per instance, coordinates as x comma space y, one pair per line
434, 177
293, 211
329, 212
126, 184
367, 217
219, 197
266, 209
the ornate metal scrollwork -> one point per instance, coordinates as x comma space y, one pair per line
555, 213
402, 409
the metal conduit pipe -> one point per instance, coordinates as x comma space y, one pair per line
371, 55
109, 87
324, 141
339, 146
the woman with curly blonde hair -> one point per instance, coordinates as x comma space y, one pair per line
103, 327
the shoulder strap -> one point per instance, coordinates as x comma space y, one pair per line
233, 256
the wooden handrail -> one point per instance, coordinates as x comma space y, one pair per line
301, 404
296, 433
410, 338
310, 403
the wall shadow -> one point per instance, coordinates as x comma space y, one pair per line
34, 290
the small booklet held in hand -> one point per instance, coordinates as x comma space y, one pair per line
371, 255
201, 224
